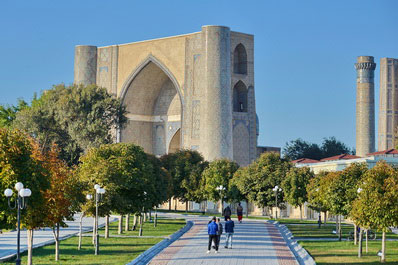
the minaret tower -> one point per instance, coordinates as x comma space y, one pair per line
365, 111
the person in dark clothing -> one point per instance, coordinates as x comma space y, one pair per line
227, 213
229, 231
239, 212
219, 232
212, 230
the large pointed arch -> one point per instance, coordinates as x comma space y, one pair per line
144, 63
154, 103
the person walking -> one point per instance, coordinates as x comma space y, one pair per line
229, 231
239, 212
219, 232
212, 229
227, 213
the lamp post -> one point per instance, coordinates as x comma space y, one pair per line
276, 189
99, 192
20, 204
141, 217
359, 190
221, 189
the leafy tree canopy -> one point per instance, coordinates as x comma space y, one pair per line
218, 173
127, 174
9, 113
21, 161
185, 168
75, 118
299, 148
260, 177
295, 184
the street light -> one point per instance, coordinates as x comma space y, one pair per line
99, 192
221, 189
20, 204
141, 217
276, 189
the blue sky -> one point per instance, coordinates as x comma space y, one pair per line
305, 50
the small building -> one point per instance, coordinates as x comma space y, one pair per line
337, 163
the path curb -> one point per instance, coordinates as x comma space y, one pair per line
302, 255
149, 254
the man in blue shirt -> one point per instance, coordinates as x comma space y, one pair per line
229, 231
212, 229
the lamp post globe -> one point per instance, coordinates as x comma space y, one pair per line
96, 186
19, 186
8, 193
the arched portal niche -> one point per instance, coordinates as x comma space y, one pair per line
240, 59
153, 105
175, 143
240, 97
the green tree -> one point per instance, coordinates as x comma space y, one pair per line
125, 171
21, 161
376, 205
301, 149
9, 113
184, 167
218, 173
294, 186
261, 177
75, 118
316, 191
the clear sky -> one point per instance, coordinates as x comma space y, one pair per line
305, 50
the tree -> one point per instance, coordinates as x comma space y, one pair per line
8, 113
301, 149
316, 194
183, 167
75, 118
294, 186
62, 197
237, 187
21, 161
261, 177
218, 173
376, 205
127, 173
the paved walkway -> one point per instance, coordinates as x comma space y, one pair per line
8, 240
254, 242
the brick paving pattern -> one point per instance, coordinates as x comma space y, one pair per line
253, 244
285, 256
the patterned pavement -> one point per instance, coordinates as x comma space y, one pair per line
254, 242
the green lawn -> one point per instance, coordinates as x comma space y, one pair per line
312, 231
164, 227
112, 250
328, 252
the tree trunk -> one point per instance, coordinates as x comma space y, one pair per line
301, 212
127, 225
360, 244
30, 246
339, 227
120, 227
155, 221
150, 215
355, 234
79, 246
366, 248
383, 248
175, 204
324, 216
186, 206
144, 217
135, 222
170, 204
107, 226
247, 208
94, 228
141, 226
